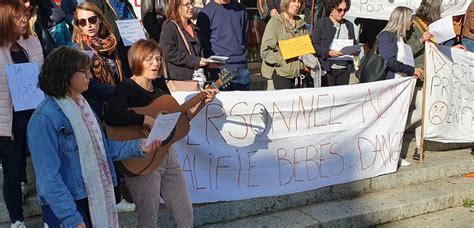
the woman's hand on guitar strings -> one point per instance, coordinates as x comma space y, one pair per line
153, 147
210, 93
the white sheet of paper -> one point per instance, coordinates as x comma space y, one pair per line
23, 83
442, 29
162, 128
339, 44
217, 59
130, 31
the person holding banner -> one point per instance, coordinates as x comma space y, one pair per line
326, 33
71, 156
17, 46
391, 43
286, 25
146, 85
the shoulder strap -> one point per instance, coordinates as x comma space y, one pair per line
182, 37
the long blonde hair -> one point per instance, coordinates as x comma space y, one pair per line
399, 22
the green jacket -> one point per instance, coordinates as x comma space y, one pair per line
272, 59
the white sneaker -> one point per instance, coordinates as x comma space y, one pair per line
403, 162
24, 191
18, 224
125, 206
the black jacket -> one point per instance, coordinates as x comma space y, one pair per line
180, 63
322, 36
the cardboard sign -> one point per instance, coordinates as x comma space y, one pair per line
130, 31
296, 46
23, 83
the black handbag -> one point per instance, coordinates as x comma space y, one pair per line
373, 67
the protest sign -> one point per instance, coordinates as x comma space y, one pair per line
381, 9
265, 143
130, 31
296, 46
449, 94
23, 83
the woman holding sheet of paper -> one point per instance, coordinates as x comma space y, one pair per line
17, 46
147, 61
329, 36
180, 43
286, 74
71, 156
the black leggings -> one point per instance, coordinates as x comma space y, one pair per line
336, 77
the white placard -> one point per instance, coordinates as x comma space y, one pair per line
23, 83
248, 144
131, 31
449, 95
381, 9
442, 29
162, 128
341, 44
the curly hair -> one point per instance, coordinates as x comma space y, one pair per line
329, 5
59, 67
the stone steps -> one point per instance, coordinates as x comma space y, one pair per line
452, 217
369, 209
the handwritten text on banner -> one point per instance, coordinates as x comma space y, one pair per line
265, 143
23, 83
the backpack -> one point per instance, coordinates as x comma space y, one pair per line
263, 9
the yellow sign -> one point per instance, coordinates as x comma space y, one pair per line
296, 46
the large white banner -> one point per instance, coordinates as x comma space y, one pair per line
449, 94
264, 143
381, 9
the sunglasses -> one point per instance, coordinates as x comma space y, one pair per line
339, 10
83, 22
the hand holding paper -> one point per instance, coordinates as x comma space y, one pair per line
162, 128
442, 29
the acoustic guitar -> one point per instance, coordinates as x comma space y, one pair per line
163, 104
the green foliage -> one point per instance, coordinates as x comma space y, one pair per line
468, 202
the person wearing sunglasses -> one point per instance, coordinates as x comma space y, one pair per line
93, 33
167, 180
17, 45
180, 42
325, 32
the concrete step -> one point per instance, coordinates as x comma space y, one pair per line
452, 217
438, 165
369, 209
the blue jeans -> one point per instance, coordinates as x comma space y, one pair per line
468, 43
241, 80
81, 205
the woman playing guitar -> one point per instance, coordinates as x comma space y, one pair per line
146, 60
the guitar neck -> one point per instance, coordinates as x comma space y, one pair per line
200, 97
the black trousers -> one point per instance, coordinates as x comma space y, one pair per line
336, 77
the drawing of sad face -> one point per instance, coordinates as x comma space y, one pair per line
438, 112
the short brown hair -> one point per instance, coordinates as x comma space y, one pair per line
139, 51
59, 67
105, 28
7, 24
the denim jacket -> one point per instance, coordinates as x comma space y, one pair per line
55, 156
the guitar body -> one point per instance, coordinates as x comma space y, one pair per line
143, 166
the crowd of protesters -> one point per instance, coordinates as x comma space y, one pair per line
91, 78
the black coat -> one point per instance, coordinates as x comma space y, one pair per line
180, 63
322, 36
